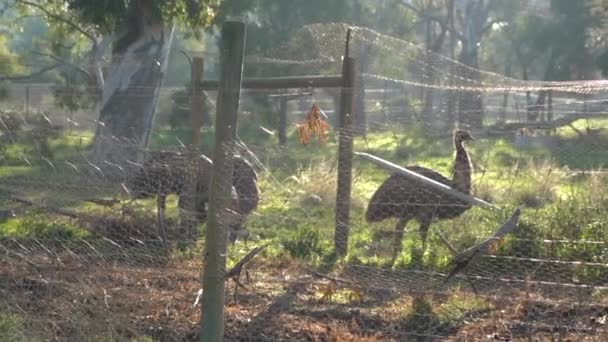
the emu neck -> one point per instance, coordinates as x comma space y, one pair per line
462, 170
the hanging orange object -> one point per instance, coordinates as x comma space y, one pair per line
315, 125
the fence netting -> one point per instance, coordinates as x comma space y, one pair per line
113, 249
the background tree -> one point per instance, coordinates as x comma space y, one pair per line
134, 37
275, 29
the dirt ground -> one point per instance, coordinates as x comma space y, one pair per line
65, 299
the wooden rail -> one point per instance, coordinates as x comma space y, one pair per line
283, 82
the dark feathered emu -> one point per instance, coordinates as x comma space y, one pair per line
165, 173
407, 199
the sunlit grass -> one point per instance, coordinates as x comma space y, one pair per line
12, 327
40, 226
298, 187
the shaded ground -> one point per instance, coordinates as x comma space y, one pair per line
64, 299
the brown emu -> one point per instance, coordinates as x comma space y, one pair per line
165, 173
406, 199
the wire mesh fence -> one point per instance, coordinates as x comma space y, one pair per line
94, 249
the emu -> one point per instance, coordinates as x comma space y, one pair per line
165, 173
407, 199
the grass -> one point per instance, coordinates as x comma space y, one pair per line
299, 191
13, 327
562, 192
38, 226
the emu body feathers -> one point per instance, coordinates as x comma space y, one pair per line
166, 173
407, 199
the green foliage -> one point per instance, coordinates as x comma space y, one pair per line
12, 328
9, 65
40, 226
306, 244
9, 62
110, 14
276, 28
179, 116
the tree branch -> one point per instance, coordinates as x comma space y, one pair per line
59, 211
443, 23
59, 18
62, 62
33, 74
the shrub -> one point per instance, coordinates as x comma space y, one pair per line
306, 243
40, 226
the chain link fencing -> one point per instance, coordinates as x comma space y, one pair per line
94, 250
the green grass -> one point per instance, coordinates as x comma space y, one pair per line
298, 197
296, 214
39, 226
12, 328
297, 207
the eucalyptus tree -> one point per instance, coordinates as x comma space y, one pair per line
126, 46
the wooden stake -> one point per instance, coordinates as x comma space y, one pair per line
232, 51
345, 154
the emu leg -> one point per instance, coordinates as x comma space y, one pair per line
418, 252
447, 243
398, 243
424, 233
161, 205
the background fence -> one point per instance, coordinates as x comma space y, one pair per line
79, 260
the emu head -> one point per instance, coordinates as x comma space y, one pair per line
460, 136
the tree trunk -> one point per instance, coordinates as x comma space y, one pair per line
505, 97
427, 92
451, 105
130, 95
524, 76
471, 103
536, 111
432, 76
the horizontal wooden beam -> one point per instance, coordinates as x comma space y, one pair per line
430, 182
282, 82
289, 96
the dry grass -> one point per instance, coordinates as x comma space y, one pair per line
315, 182
97, 301
598, 186
533, 185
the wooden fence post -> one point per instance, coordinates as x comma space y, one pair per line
283, 120
188, 221
232, 51
360, 115
384, 115
345, 153
550, 106
27, 101
197, 100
